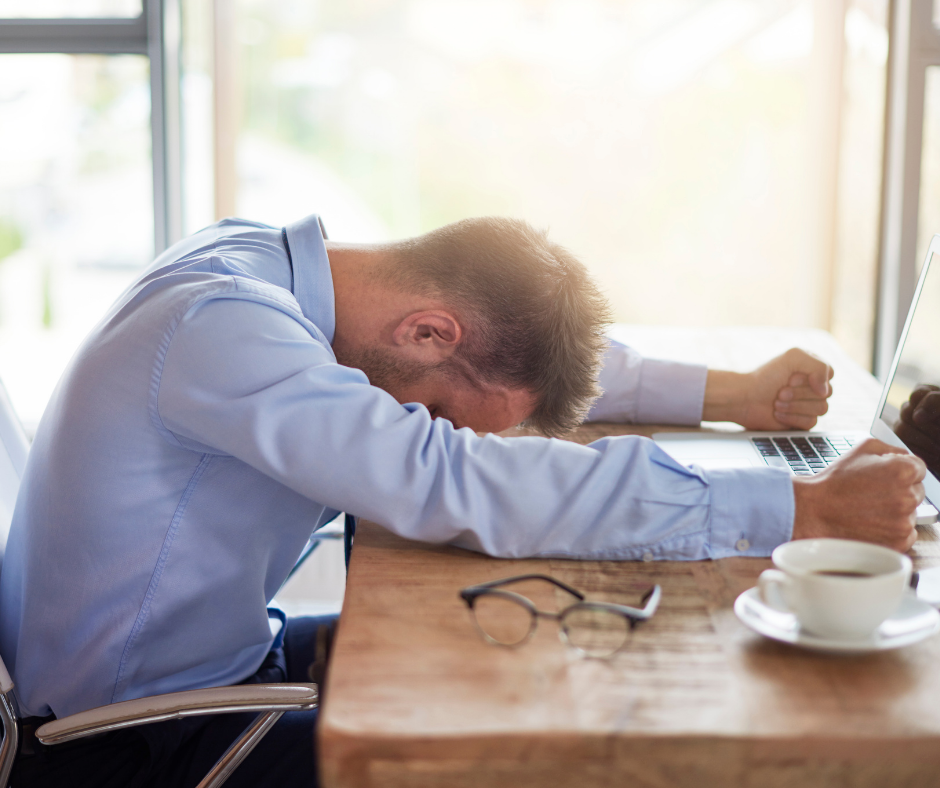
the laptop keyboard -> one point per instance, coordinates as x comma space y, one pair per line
803, 456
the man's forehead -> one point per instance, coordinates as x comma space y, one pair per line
492, 408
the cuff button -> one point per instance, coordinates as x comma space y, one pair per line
742, 545
647, 556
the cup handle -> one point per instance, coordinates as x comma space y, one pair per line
771, 586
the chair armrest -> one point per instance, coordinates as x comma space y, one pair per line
175, 705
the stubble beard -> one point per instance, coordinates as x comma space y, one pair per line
385, 370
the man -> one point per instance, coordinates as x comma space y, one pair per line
223, 409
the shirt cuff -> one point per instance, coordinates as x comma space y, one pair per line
752, 511
671, 393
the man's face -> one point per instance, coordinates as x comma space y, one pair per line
488, 409
483, 408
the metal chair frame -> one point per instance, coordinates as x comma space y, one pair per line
271, 701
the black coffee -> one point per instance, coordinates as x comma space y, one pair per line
843, 573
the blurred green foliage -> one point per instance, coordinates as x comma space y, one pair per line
11, 239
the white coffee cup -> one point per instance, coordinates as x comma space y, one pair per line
837, 588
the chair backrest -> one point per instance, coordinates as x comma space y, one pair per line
14, 446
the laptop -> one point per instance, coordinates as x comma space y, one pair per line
916, 362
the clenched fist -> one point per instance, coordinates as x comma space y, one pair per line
788, 392
871, 494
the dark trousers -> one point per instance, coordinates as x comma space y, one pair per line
179, 753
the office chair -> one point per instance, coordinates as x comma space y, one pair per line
270, 701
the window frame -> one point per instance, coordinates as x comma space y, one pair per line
914, 46
156, 34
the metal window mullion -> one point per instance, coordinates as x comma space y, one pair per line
914, 45
74, 36
163, 24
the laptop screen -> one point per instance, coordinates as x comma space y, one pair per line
912, 405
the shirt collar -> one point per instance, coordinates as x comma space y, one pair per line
313, 280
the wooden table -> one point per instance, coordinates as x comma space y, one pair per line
416, 698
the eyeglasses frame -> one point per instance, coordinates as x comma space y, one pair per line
634, 615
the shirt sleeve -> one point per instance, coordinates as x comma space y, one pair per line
243, 379
641, 390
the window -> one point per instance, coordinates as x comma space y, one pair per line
910, 166
76, 206
685, 151
89, 182
858, 199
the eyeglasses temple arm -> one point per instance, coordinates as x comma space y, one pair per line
651, 599
651, 602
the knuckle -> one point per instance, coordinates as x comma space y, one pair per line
897, 510
910, 468
902, 474
902, 530
908, 541
907, 503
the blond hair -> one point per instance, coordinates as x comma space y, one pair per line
534, 319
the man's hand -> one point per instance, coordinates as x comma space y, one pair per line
919, 425
871, 494
788, 392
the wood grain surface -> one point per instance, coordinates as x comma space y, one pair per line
415, 697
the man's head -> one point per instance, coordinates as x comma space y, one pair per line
488, 323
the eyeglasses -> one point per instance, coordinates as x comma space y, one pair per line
597, 629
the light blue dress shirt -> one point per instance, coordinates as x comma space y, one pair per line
204, 429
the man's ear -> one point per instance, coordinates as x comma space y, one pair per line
428, 336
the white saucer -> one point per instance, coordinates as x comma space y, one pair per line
913, 621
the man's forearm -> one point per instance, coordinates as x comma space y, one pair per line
724, 395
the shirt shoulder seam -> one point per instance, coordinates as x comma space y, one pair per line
240, 290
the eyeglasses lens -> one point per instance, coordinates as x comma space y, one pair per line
595, 631
501, 619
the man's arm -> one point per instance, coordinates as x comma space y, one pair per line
249, 381
640, 390
788, 392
